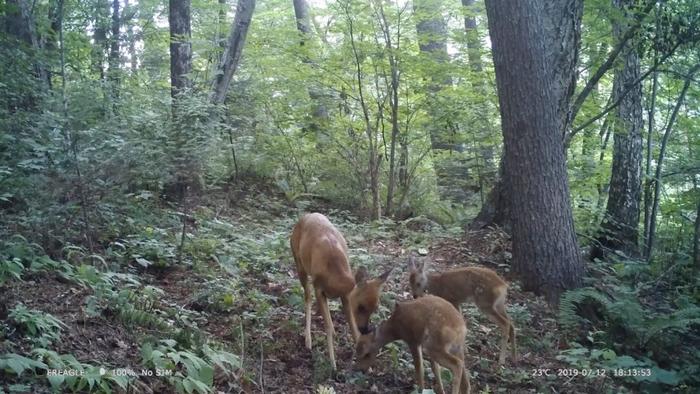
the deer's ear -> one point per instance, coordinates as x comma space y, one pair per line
423, 265
383, 277
361, 275
411, 263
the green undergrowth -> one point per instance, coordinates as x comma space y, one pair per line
629, 325
230, 256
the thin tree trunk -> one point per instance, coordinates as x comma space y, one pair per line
100, 45
621, 221
393, 102
114, 59
602, 188
133, 56
660, 163
234, 48
320, 115
373, 157
696, 239
180, 47
622, 44
650, 135
647, 168
545, 250
473, 42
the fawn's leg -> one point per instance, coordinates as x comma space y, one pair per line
323, 305
438, 379
504, 323
417, 353
456, 366
465, 387
501, 310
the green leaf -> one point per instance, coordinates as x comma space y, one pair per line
56, 380
609, 354
17, 366
206, 375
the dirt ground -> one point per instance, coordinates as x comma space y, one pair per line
272, 349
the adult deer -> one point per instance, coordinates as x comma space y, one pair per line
321, 255
479, 285
428, 324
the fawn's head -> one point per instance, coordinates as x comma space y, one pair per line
364, 299
417, 278
366, 350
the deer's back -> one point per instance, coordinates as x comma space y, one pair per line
322, 253
475, 284
429, 318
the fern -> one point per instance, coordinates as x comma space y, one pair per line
680, 320
568, 306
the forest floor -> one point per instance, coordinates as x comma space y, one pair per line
261, 317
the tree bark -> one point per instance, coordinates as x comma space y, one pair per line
647, 168
320, 116
545, 250
562, 34
180, 46
114, 59
473, 42
621, 221
432, 42
696, 239
393, 87
100, 45
234, 48
131, 37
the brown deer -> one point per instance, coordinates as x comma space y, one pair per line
479, 285
427, 324
321, 254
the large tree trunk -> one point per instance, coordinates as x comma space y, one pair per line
545, 250
432, 41
619, 227
234, 48
180, 46
562, 33
20, 24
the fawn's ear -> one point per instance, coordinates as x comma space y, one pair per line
383, 277
361, 275
423, 265
411, 263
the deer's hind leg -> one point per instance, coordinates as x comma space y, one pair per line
498, 315
417, 353
440, 389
